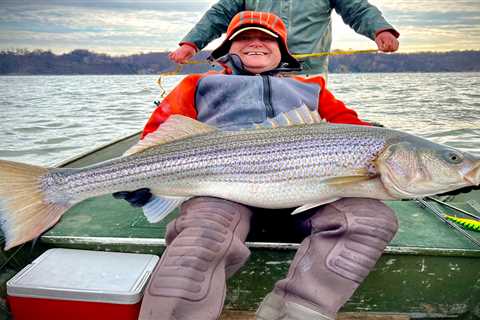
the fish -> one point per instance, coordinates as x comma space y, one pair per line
298, 166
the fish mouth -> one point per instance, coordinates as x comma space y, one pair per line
473, 176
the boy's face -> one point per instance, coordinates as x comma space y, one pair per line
258, 51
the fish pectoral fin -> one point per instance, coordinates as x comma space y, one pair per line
159, 207
348, 180
309, 206
175, 128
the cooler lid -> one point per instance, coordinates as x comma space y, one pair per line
82, 275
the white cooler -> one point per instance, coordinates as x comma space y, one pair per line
80, 284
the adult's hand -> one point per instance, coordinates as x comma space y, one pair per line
386, 41
182, 54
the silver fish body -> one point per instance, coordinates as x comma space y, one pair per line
299, 166
273, 168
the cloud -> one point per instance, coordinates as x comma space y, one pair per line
115, 5
427, 5
423, 24
117, 26
128, 26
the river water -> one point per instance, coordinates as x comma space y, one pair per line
47, 119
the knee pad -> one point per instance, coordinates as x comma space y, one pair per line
363, 227
208, 235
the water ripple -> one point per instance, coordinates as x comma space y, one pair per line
46, 119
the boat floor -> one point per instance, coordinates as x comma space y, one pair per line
245, 315
104, 221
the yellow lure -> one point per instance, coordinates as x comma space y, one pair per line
469, 224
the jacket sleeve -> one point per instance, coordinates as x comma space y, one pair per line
213, 23
363, 17
331, 109
181, 100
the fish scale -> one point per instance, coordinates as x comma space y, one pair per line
262, 156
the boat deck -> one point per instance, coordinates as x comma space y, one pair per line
106, 222
429, 270
246, 315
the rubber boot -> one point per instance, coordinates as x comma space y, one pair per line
347, 239
205, 245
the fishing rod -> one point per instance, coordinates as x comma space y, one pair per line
450, 223
179, 67
332, 53
454, 208
305, 55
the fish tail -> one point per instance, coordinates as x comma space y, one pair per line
24, 212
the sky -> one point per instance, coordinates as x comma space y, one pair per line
122, 27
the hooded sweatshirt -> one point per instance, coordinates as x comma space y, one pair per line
237, 99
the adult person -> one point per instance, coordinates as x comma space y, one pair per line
205, 244
308, 21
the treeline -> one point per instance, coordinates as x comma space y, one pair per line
452, 61
40, 62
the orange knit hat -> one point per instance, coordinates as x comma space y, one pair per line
264, 21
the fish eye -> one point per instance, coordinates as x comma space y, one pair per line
452, 156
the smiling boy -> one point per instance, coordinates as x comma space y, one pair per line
206, 243
259, 51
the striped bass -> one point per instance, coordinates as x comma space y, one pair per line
300, 166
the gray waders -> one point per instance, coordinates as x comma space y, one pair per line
206, 246
347, 238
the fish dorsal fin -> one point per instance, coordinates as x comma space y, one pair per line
297, 116
176, 127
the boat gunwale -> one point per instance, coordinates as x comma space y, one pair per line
155, 242
101, 147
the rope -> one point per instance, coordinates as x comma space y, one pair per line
175, 72
163, 92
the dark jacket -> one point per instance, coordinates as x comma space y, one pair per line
308, 23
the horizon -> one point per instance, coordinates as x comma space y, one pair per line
128, 27
33, 50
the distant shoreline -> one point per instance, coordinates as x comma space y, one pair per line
152, 74
84, 62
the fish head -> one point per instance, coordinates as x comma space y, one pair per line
418, 168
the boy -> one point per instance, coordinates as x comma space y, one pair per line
205, 244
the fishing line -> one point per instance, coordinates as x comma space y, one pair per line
439, 214
454, 208
179, 67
